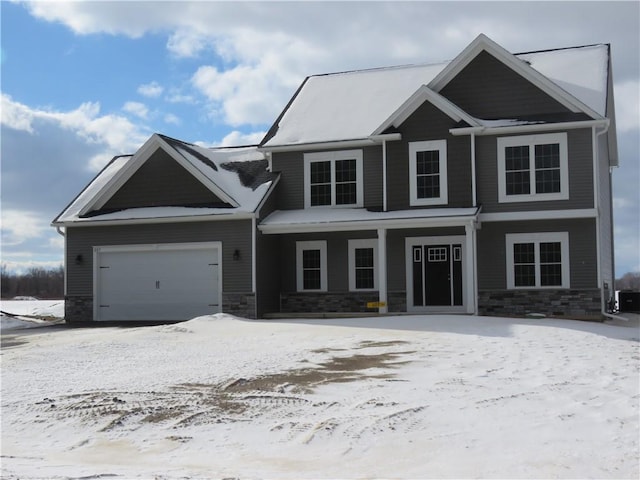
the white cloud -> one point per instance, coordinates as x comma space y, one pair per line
152, 90
627, 97
173, 119
236, 138
116, 133
19, 226
136, 108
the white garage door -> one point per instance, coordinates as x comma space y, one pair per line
157, 282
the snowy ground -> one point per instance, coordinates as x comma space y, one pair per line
399, 397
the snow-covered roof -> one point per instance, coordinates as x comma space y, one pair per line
335, 219
356, 105
238, 176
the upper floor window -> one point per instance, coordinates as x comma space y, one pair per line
333, 179
428, 172
533, 167
538, 260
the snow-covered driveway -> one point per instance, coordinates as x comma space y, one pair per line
400, 397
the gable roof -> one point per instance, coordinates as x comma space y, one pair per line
237, 176
357, 105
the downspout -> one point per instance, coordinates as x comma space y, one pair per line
596, 197
253, 265
64, 259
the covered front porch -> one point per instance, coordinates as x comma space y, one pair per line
343, 261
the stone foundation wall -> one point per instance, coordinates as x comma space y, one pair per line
322, 302
239, 304
397, 301
78, 309
552, 303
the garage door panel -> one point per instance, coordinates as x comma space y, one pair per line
158, 283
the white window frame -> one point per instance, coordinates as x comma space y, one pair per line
431, 145
332, 157
531, 141
362, 243
537, 238
311, 245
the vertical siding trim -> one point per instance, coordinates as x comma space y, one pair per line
384, 175
474, 196
596, 203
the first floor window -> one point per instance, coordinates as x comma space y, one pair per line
533, 167
311, 265
538, 260
333, 179
363, 257
428, 172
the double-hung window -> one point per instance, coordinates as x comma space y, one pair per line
311, 266
533, 167
537, 260
363, 257
333, 179
428, 173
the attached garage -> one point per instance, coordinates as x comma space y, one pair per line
157, 282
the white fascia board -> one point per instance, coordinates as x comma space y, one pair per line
146, 221
484, 43
538, 215
358, 142
390, 224
121, 177
423, 94
532, 127
197, 173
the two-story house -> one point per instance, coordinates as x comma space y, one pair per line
481, 185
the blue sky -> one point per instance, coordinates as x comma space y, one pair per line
84, 81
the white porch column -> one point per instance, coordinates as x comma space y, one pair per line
382, 270
470, 273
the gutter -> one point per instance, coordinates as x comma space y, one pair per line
531, 127
356, 142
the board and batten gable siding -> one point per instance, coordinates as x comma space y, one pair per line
582, 250
161, 181
487, 88
290, 190
234, 234
580, 165
429, 123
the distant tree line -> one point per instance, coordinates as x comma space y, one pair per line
36, 282
629, 281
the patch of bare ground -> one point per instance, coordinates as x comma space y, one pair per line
235, 400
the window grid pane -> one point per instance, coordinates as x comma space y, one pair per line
518, 180
311, 270
550, 264
346, 184
320, 183
428, 174
524, 267
364, 268
547, 168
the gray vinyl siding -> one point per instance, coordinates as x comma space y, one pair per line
233, 235
486, 88
491, 250
337, 258
605, 210
580, 176
161, 181
429, 123
290, 190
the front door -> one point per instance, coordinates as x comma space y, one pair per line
436, 274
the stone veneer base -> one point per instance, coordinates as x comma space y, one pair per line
552, 303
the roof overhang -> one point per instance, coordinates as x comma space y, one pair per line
531, 127
357, 219
356, 142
